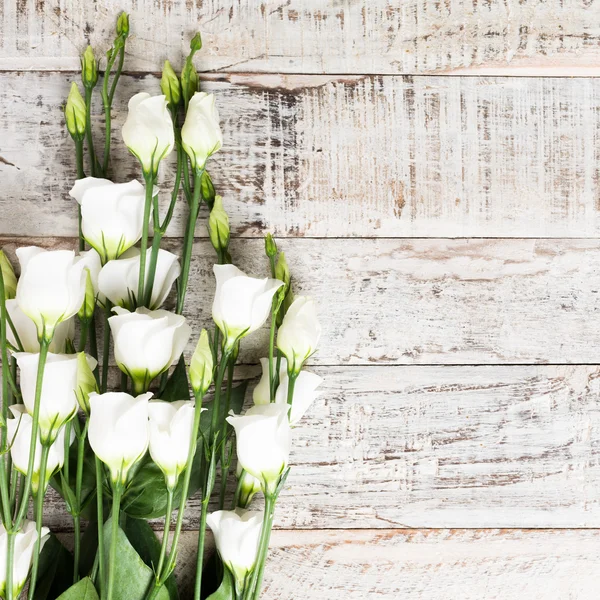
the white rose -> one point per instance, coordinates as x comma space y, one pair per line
262, 391
303, 396
112, 214
148, 130
201, 134
119, 431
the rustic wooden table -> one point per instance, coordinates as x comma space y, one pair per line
431, 170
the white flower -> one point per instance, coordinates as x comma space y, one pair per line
58, 401
119, 279
148, 130
51, 288
249, 486
299, 334
261, 393
237, 534
242, 304
263, 439
112, 214
304, 393
119, 431
19, 438
171, 430
201, 134
146, 343
24, 546
27, 331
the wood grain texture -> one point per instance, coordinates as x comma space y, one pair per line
294, 36
394, 447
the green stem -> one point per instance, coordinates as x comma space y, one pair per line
80, 175
167, 529
291, 383
152, 266
200, 558
94, 345
253, 591
224, 464
271, 352
123, 382
100, 519
10, 554
88, 130
144, 243
82, 434
106, 346
85, 326
116, 505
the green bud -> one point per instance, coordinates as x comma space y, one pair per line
207, 189
8, 276
201, 366
89, 303
282, 271
123, 25
75, 113
169, 85
270, 246
86, 383
89, 68
218, 226
189, 80
196, 43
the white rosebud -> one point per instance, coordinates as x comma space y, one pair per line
24, 545
119, 279
51, 288
148, 130
119, 431
263, 439
27, 331
112, 214
237, 534
171, 430
299, 334
147, 343
201, 134
58, 401
249, 486
242, 304
19, 438
304, 393
262, 391
201, 365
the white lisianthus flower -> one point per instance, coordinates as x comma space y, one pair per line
249, 486
146, 343
51, 288
262, 393
119, 431
112, 214
58, 401
263, 439
201, 134
119, 279
304, 393
242, 304
19, 438
237, 534
148, 130
24, 545
299, 334
27, 331
171, 430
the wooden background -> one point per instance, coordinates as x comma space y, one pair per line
431, 170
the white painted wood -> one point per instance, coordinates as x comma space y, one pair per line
308, 36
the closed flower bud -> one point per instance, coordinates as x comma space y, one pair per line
86, 382
241, 304
51, 288
89, 68
112, 214
169, 85
201, 134
75, 113
189, 81
261, 393
24, 545
196, 43
86, 311
237, 534
263, 439
270, 246
299, 333
147, 343
201, 366
218, 226
118, 279
304, 393
119, 431
123, 25
248, 485
171, 430
92, 264
8, 276
208, 189
282, 271
19, 429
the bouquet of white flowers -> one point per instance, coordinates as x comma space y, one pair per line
123, 453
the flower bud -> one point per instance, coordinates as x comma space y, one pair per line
201, 366
208, 189
201, 133
189, 81
123, 25
270, 246
89, 68
75, 113
87, 308
8, 276
218, 226
282, 271
249, 486
86, 382
196, 43
169, 85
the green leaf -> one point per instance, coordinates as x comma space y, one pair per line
82, 590
55, 570
146, 544
226, 590
178, 387
132, 578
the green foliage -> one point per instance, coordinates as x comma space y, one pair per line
226, 590
82, 590
55, 571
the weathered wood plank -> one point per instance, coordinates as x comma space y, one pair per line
356, 156
394, 447
379, 36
